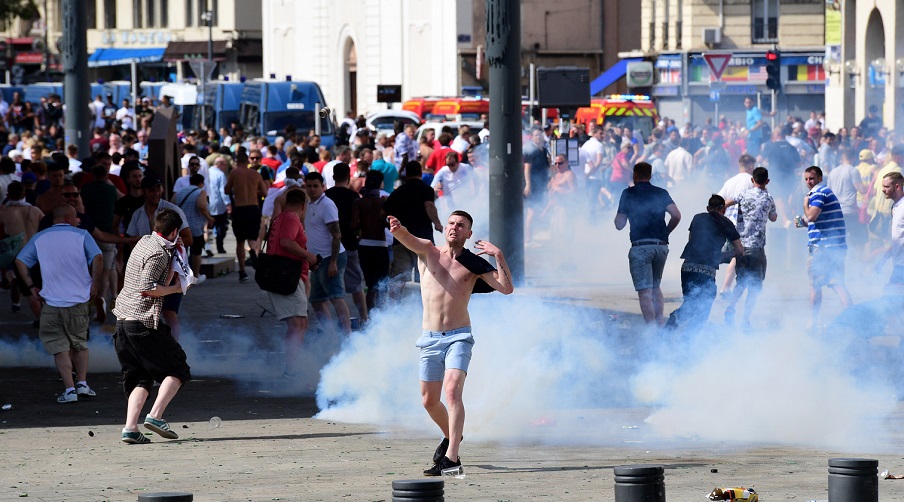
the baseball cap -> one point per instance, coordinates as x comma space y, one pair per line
14, 153
873, 108
150, 181
29, 178
867, 155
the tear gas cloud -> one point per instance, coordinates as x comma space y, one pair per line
548, 371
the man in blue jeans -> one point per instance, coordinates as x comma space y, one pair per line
644, 206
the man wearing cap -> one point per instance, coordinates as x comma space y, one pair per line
142, 223
879, 206
871, 124
868, 170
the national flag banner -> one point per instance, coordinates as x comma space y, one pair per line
735, 74
757, 73
807, 73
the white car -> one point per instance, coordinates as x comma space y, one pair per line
385, 120
475, 126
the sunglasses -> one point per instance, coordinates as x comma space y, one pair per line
254, 158
71, 194
194, 164
559, 163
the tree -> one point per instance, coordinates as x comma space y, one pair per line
21, 9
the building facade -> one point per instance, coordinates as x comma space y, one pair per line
677, 33
165, 36
867, 65
430, 48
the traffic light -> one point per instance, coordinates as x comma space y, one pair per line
773, 70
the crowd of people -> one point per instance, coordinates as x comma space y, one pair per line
328, 208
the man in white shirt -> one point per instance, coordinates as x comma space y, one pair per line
189, 151
730, 191
126, 116
591, 155
462, 142
344, 156
97, 108
893, 189
454, 178
321, 223
679, 162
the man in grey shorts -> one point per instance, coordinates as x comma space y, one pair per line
454, 273
644, 206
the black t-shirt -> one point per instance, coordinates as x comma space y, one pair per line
125, 207
85, 222
407, 204
708, 233
782, 158
310, 154
344, 198
644, 205
538, 158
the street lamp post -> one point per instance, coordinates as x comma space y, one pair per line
208, 18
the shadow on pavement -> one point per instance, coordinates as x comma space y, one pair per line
32, 393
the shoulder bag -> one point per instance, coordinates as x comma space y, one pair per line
274, 273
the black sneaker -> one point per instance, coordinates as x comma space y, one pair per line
441, 450
243, 277
443, 464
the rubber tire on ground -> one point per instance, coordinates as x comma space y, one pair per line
418, 484
417, 494
166, 497
408, 499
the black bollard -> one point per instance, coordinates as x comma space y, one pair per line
420, 490
853, 480
166, 497
639, 483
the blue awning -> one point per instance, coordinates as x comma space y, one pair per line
611, 75
113, 57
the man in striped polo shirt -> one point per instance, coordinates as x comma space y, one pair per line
826, 241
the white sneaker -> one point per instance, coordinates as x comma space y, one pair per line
68, 397
84, 390
201, 278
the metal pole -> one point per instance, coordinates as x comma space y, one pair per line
532, 93
75, 68
135, 90
46, 46
506, 168
317, 119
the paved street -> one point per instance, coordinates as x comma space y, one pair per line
528, 436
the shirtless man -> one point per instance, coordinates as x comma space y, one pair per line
449, 274
53, 197
247, 189
19, 217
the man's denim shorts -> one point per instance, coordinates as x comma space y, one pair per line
442, 350
325, 288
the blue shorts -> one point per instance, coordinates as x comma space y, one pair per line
442, 350
324, 287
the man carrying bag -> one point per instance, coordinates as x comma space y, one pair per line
282, 271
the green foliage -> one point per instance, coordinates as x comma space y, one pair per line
12, 9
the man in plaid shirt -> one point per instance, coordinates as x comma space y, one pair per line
144, 344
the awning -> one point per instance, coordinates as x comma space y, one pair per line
611, 75
113, 57
188, 51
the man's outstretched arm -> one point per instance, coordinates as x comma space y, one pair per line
416, 245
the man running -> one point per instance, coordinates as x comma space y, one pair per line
449, 274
